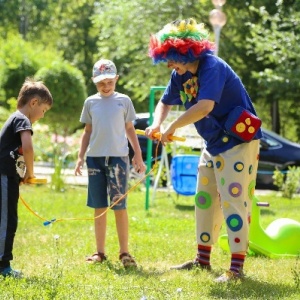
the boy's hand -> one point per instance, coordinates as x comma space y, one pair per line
79, 166
26, 180
150, 132
138, 164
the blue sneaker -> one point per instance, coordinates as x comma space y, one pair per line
9, 272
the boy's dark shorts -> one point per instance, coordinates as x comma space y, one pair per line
108, 177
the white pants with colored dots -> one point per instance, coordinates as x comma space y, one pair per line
226, 184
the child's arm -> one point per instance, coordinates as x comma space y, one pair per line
137, 160
85, 139
28, 153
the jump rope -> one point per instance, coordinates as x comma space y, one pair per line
46, 222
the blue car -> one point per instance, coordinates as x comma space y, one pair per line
276, 152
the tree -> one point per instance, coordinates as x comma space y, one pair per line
77, 37
63, 25
254, 41
274, 41
125, 31
9, 19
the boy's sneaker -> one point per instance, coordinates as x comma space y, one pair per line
9, 272
127, 260
190, 265
230, 276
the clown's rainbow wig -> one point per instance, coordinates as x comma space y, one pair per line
181, 41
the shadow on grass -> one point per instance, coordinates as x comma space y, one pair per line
121, 271
267, 212
251, 288
55, 283
184, 207
184, 203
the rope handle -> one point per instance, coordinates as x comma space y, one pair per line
36, 180
157, 135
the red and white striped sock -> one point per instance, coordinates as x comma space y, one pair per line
237, 262
203, 255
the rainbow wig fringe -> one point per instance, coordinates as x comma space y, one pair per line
181, 41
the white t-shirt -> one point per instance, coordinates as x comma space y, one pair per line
108, 116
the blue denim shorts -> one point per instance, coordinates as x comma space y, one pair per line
108, 176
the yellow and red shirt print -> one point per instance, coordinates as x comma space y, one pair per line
190, 89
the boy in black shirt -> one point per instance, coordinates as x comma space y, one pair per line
16, 162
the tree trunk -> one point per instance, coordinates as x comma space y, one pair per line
275, 117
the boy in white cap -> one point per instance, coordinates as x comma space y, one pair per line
108, 117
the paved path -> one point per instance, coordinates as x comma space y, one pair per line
45, 171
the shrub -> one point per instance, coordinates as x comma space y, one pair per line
66, 84
288, 184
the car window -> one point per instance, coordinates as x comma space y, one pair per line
271, 142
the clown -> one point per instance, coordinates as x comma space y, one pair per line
209, 90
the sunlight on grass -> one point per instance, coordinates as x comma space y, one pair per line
52, 257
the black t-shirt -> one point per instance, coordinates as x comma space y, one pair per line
11, 154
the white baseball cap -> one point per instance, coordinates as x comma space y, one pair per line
104, 69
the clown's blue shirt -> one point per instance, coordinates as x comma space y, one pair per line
215, 80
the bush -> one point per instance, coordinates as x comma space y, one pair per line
19, 59
66, 84
288, 184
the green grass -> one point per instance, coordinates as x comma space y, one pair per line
52, 257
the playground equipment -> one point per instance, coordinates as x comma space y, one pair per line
280, 239
189, 132
184, 174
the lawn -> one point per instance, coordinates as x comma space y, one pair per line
52, 257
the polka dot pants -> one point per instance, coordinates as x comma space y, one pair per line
226, 184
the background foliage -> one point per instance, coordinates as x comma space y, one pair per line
260, 41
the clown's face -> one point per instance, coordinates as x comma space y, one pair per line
182, 68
